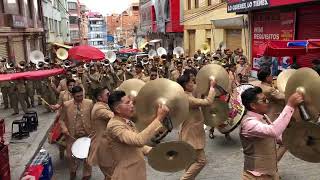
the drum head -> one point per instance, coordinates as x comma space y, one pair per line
236, 110
80, 148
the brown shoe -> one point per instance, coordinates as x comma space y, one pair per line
86, 177
73, 175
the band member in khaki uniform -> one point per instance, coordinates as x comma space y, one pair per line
99, 150
275, 97
76, 122
5, 93
153, 75
127, 144
175, 74
30, 93
192, 130
21, 95
259, 135
243, 70
48, 92
139, 72
63, 97
94, 81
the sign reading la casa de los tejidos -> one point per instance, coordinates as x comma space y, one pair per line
247, 5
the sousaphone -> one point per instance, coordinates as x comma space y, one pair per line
152, 53
178, 51
161, 51
111, 56
62, 54
36, 56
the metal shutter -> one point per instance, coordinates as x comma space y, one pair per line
18, 49
4, 48
308, 28
192, 42
233, 39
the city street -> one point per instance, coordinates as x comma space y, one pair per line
225, 162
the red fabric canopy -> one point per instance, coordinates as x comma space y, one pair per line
280, 48
129, 51
32, 75
86, 53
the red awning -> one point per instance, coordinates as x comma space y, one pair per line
280, 48
32, 75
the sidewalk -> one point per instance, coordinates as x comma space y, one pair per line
21, 152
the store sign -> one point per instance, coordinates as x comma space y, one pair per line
19, 21
247, 5
271, 25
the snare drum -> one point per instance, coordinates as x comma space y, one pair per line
80, 148
236, 110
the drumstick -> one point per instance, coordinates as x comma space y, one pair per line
45, 101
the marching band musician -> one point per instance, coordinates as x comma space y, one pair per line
93, 81
153, 75
75, 121
99, 149
128, 145
259, 135
139, 72
192, 130
48, 91
243, 70
175, 74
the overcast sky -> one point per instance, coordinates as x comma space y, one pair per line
107, 6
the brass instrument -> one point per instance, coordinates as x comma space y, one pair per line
62, 54
178, 51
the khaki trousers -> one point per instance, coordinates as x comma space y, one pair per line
107, 172
5, 96
248, 176
195, 168
74, 163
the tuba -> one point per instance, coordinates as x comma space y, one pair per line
152, 53
37, 58
178, 51
161, 51
111, 56
62, 54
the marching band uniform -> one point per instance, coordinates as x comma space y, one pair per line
30, 93
75, 119
175, 74
94, 80
128, 147
140, 76
37, 85
276, 99
99, 149
21, 92
193, 133
244, 71
258, 138
48, 92
4, 85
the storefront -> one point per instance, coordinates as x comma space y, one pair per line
280, 20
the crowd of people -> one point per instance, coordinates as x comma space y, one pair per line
88, 105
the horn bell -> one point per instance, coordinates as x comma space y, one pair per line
62, 54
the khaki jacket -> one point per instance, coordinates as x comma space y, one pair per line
100, 149
21, 87
140, 76
68, 116
128, 148
192, 130
64, 96
276, 99
95, 80
175, 75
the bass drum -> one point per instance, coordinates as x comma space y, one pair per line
236, 110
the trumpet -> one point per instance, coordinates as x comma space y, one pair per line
66, 64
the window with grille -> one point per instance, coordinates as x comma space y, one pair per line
74, 34
72, 6
73, 19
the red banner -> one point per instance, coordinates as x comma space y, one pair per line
270, 25
33, 75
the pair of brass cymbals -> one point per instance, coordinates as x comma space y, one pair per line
131, 86
171, 156
208, 72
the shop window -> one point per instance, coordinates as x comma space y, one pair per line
14, 7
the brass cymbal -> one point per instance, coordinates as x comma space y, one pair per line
308, 81
283, 78
212, 71
131, 87
216, 114
171, 156
161, 91
302, 139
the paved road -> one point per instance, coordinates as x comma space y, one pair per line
224, 163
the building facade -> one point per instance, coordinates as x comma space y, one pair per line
280, 20
208, 25
21, 29
74, 21
160, 23
123, 27
56, 22
97, 34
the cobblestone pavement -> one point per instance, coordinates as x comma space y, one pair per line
225, 162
